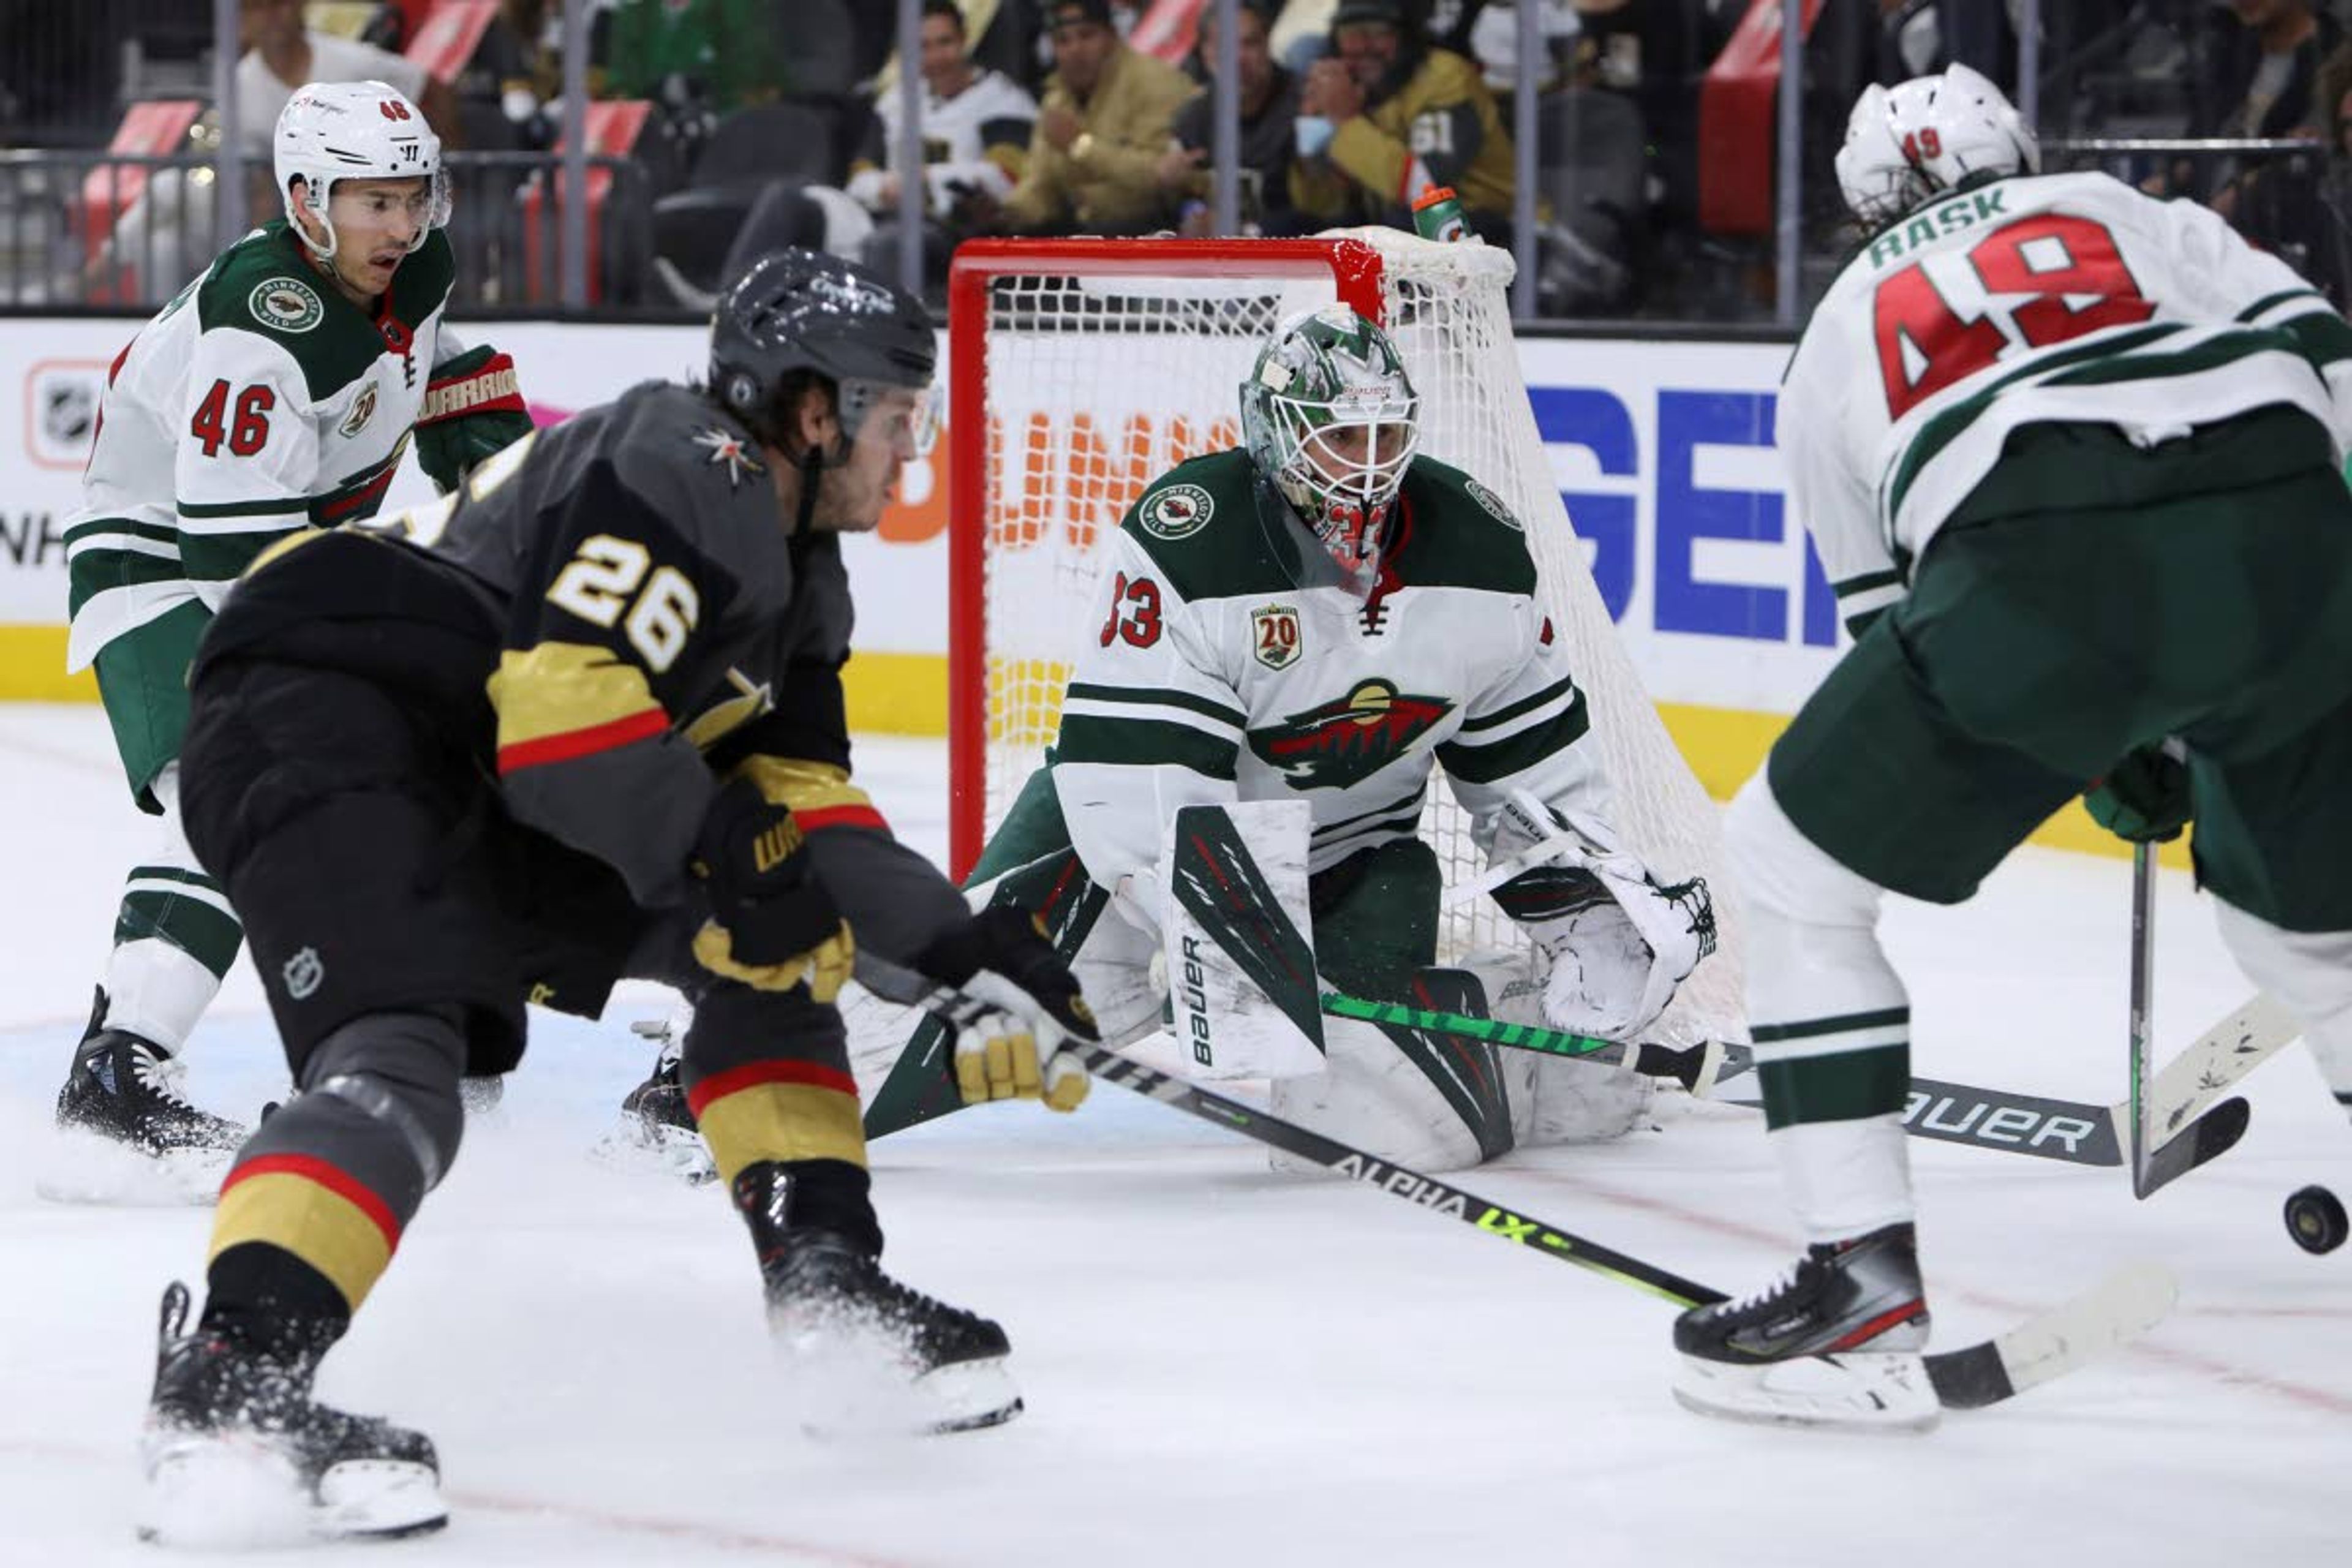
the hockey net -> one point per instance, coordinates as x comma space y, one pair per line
1083, 369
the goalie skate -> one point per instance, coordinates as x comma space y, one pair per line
1835, 1341
237, 1454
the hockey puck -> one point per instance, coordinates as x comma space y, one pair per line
2315, 1217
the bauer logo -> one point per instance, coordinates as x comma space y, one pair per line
1196, 1003
1178, 512
288, 304
304, 974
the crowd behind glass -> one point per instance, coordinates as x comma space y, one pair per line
714, 129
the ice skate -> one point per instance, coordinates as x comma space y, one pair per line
870, 1353
127, 1133
1835, 1341
237, 1454
656, 1130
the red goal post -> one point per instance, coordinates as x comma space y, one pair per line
1079, 370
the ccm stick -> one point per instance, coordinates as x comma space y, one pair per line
2119, 1308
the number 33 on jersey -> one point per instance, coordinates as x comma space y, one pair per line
2058, 296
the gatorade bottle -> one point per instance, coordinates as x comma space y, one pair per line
1438, 215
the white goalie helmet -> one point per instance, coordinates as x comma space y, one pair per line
332, 131
1908, 143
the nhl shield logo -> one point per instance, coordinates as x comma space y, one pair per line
304, 972
1177, 512
1274, 635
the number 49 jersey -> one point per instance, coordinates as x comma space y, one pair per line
2059, 298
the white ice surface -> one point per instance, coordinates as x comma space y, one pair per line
1222, 1366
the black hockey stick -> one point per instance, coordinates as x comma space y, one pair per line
2215, 1133
1693, 1067
2119, 1309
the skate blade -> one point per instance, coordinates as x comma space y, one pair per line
1876, 1391
857, 1383
221, 1493
86, 1168
377, 1499
671, 1151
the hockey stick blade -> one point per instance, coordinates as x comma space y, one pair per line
2033, 1351
2209, 1137
2119, 1309
2076, 1131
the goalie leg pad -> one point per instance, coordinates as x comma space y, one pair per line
1554, 1101
1431, 1101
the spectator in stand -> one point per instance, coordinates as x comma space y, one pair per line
2256, 67
713, 55
2254, 77
976, 126
1094, 160
281, 54
1270, 104
1383, 117
516, 70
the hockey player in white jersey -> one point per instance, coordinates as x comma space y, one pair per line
1329, 616
2070, 456
278, 391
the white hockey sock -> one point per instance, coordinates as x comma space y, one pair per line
157, 992
2311, 973
1832, 1026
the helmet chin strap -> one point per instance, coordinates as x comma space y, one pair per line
813, 465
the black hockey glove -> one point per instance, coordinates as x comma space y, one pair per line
1019, 1003
2143, 799
773, 923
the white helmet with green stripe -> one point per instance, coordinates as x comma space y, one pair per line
1331, 418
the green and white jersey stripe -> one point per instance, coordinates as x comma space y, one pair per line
257, 402
2056, 299
1226, 660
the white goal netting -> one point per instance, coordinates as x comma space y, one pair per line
1099, 376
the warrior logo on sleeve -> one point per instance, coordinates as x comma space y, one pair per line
1346, 741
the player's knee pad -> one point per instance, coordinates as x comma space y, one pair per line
2310, 973
1431, 1106
380, 1102
1812, 942
1777, 868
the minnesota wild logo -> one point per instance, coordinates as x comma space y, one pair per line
286, 303
1347, 741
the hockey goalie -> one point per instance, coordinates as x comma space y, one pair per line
1324, 618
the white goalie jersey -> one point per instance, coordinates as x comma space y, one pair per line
1213, 674
2049, 298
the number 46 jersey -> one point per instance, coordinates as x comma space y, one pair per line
2058, 297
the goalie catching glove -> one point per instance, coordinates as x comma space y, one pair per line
1617, 942
772, 924
1016, 1003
